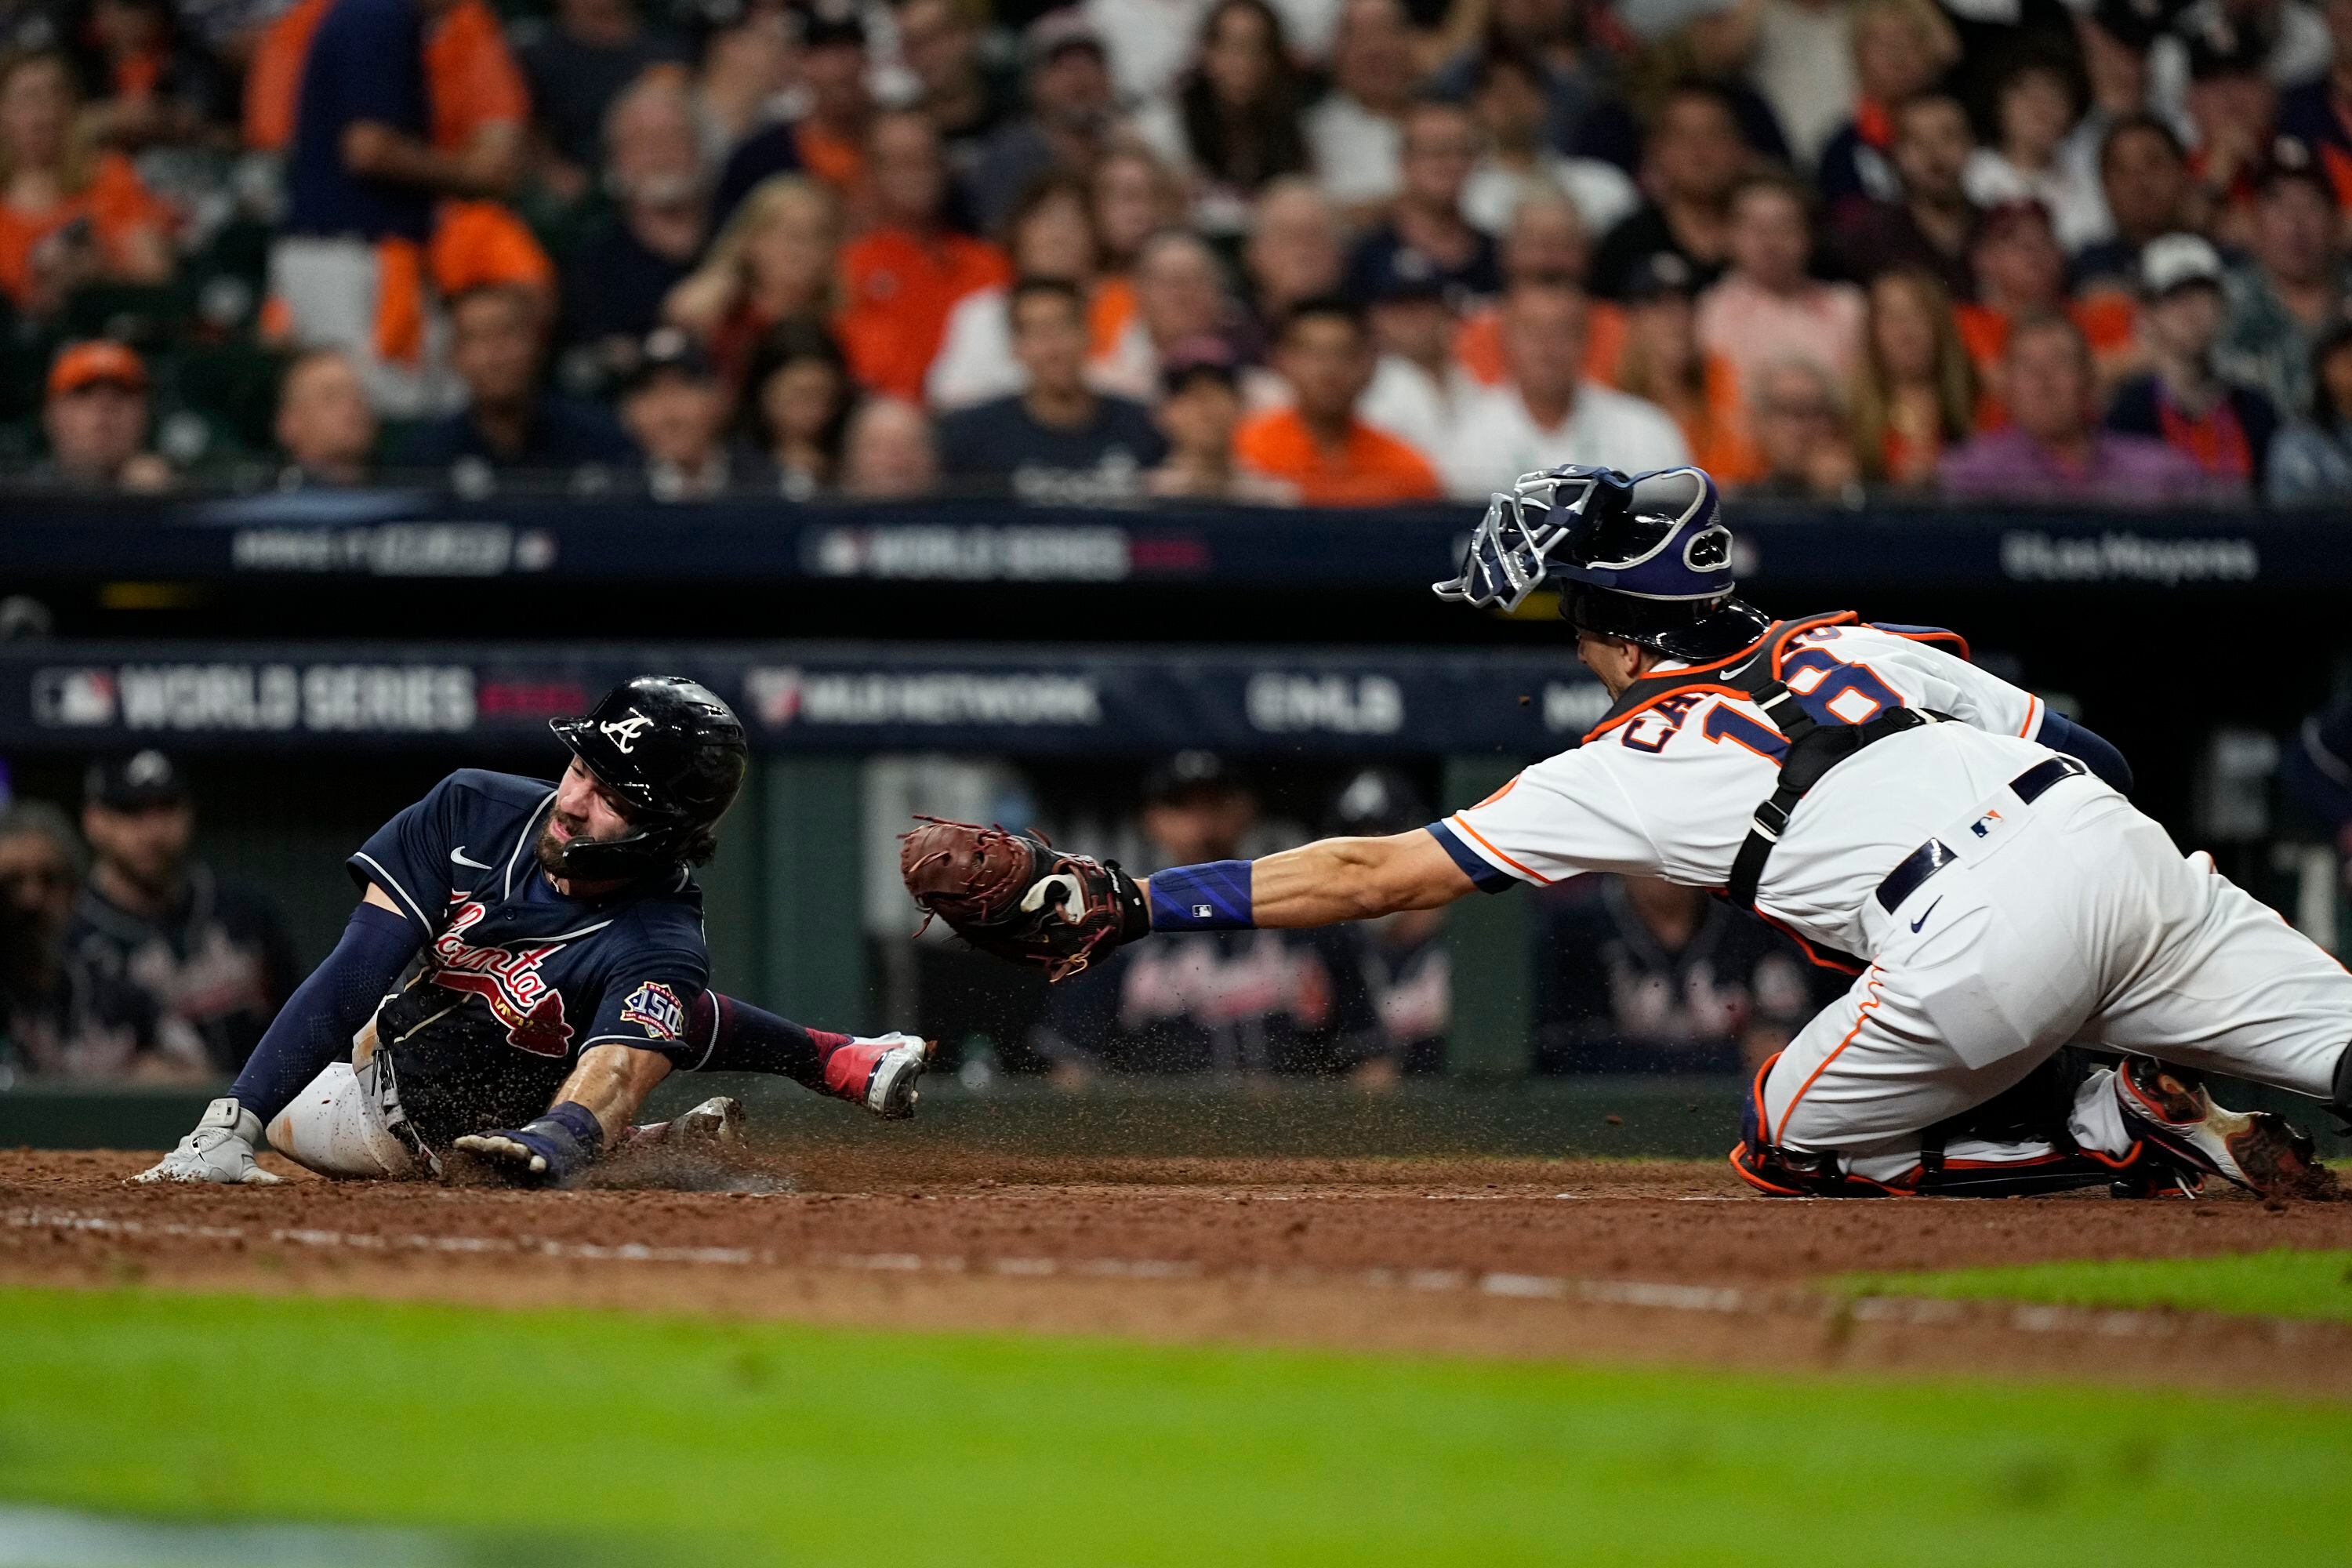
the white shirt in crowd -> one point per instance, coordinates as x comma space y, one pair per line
1150, 43
2078, 208
1355, 150
1601, 190
1496, 439
1414, 406
1803, 65
975, 363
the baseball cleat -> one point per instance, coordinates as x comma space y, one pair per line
718, 1119
890, 1092
2257, 1149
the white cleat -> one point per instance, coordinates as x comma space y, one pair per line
890, 1092
2258, 1150
718, 1119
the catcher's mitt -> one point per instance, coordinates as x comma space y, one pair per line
1016, 896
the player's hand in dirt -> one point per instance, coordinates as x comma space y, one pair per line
219, 1149
1016, 896
543, 1153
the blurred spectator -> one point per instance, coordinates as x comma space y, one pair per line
772, 263
1566, 44
1221, 1002
2052, 449
902, 277
1916, 395
828, 141
1425, 239
675, 408
1058, 441
1135, 198
2311, 461
1661, 362
1900, 46
211, 955
2290, 289
1070, 113
2022, 272
69, 213
498, 343
1930, 221
326, 430
1507, 96
799, 396
1179, 295
1418, 388
626, 265
1767, 307
2144, 174
2117, 41
1293, 252
161, 88
1232, 124
888, 453
577, 63
2225, 428
362, 174
1356, 133
2032, 113
1200, 409
2233, 108
1804, 446
1693, 158
58, 1020
2319, 114
1402, 957
751, 68
965, 94
96, 420
1545, 244
1549, 414
1049, 234
1648, 977
1319, 447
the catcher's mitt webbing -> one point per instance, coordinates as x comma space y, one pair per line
1016, 896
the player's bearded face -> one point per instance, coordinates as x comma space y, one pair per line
583, 809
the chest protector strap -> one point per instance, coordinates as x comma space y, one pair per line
1814, 747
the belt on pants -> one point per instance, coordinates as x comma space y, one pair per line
1934, 855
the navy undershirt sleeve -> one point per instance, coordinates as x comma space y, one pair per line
2061, 733
316, 1026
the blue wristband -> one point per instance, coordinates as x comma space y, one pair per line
1215, 896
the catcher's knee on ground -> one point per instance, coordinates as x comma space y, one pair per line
331, 1128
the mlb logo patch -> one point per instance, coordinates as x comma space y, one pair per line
655, 1007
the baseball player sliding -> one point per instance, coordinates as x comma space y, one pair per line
1968, 854
561, 974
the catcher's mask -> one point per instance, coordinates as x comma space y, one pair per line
1644, 557
676, 755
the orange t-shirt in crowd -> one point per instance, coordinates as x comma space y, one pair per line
1372, 470
1723, 446
471, 77
1109, 310
476, 243
1479, 342
899, 289
115, 203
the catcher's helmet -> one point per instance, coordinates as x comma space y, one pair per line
675, 754
1644, 557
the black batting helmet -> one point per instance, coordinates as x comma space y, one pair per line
675, 756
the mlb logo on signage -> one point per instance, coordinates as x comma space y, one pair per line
74, 699
775, 694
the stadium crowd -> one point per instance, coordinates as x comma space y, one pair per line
1318, 251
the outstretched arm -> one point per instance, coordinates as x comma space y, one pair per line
606, 1085
1317, 884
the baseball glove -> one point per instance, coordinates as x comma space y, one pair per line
1016, 896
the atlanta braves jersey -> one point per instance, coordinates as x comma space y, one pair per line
1669, 790
518, 979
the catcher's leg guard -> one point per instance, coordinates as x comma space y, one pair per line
2169, 1107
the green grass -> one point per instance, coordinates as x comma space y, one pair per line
2280, 1283
820, 1447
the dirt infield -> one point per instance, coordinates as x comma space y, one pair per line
1639, 1261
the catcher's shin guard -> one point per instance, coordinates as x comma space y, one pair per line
2169, 1107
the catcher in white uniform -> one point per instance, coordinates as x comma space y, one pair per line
2041, 978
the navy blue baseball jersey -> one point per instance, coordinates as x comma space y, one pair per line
516, 979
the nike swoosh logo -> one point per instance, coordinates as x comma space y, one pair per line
1923, 914
459, 856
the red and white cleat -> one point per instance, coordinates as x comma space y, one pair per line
2258, 1150
881, 1072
